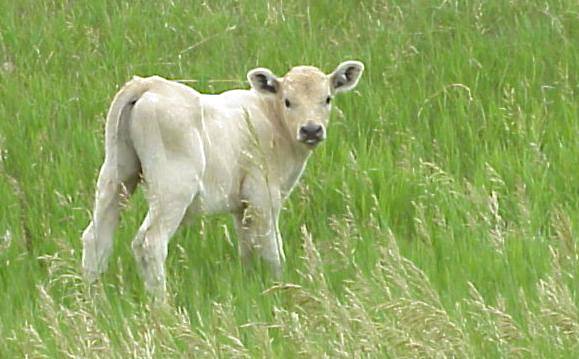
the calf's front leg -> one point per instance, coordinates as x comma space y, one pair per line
258, 231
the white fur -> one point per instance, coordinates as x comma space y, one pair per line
235, 152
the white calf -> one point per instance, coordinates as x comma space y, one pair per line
240, 152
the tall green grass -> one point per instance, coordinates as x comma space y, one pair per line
439, 219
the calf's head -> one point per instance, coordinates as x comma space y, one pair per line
303, 97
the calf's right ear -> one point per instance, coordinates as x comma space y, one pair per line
263, 81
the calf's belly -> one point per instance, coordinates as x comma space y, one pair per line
214, 198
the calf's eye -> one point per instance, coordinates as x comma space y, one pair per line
328, 100
287, 103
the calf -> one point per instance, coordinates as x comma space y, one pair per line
241, 152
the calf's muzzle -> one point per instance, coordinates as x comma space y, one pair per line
311, 134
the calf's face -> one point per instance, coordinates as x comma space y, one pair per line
304, 96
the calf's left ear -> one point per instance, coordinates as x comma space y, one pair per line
346, 76
263, 81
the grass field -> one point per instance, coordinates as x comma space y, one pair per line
440, 219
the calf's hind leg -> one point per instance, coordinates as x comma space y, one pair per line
167, 206
172, 182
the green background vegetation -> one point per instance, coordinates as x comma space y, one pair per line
439, 219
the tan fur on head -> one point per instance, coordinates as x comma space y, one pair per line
305, 78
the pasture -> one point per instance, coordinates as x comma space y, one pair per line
439, 219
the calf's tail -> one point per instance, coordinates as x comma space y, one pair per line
119, 175
117, 124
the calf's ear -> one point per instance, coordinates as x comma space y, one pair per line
263, 81
346, 76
